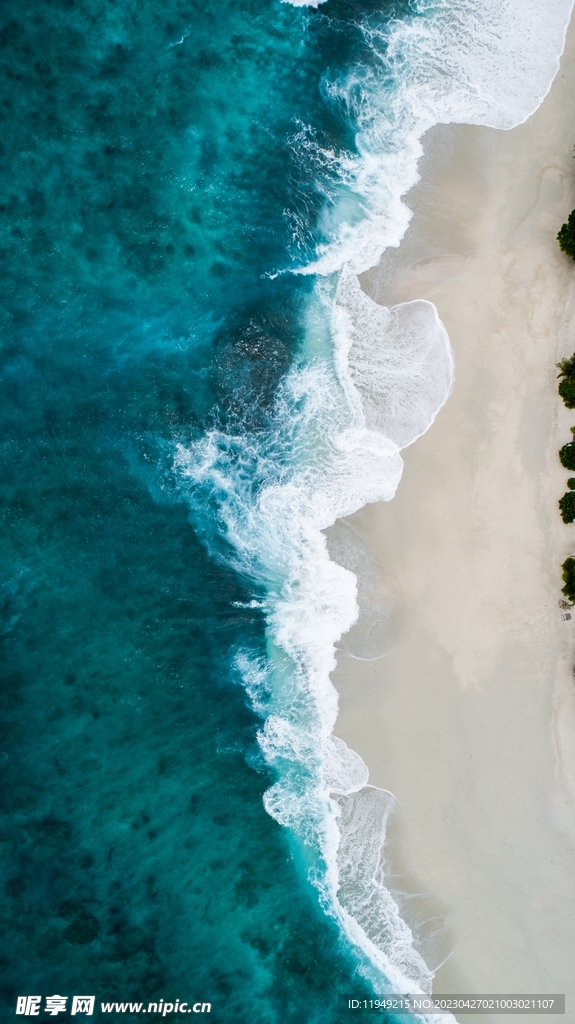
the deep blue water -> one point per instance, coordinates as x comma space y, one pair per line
146, 173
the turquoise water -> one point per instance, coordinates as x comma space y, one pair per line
193, 388
146, 167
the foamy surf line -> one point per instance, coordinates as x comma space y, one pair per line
372, 383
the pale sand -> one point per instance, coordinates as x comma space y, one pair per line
470, 721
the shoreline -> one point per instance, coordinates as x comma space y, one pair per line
470, 719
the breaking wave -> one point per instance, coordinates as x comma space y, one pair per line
369, 382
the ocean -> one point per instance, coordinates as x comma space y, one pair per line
194, 388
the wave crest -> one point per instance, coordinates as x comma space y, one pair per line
333, 440
484, 62
332, 445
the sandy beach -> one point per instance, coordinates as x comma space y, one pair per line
470, 719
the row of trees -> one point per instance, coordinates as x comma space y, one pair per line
567, 453
566, 367
566, 388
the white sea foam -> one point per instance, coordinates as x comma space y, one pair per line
485, 62
323, 457
339, 423
399, 360
380, 613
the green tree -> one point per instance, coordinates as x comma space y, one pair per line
567, 386
567, 391
566, 367
567, 507
566, 236
568, 577
567, 455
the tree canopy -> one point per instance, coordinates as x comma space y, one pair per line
567, 455
567, 391
566, 388
567, 507
568, 576
566, 367
566, 236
